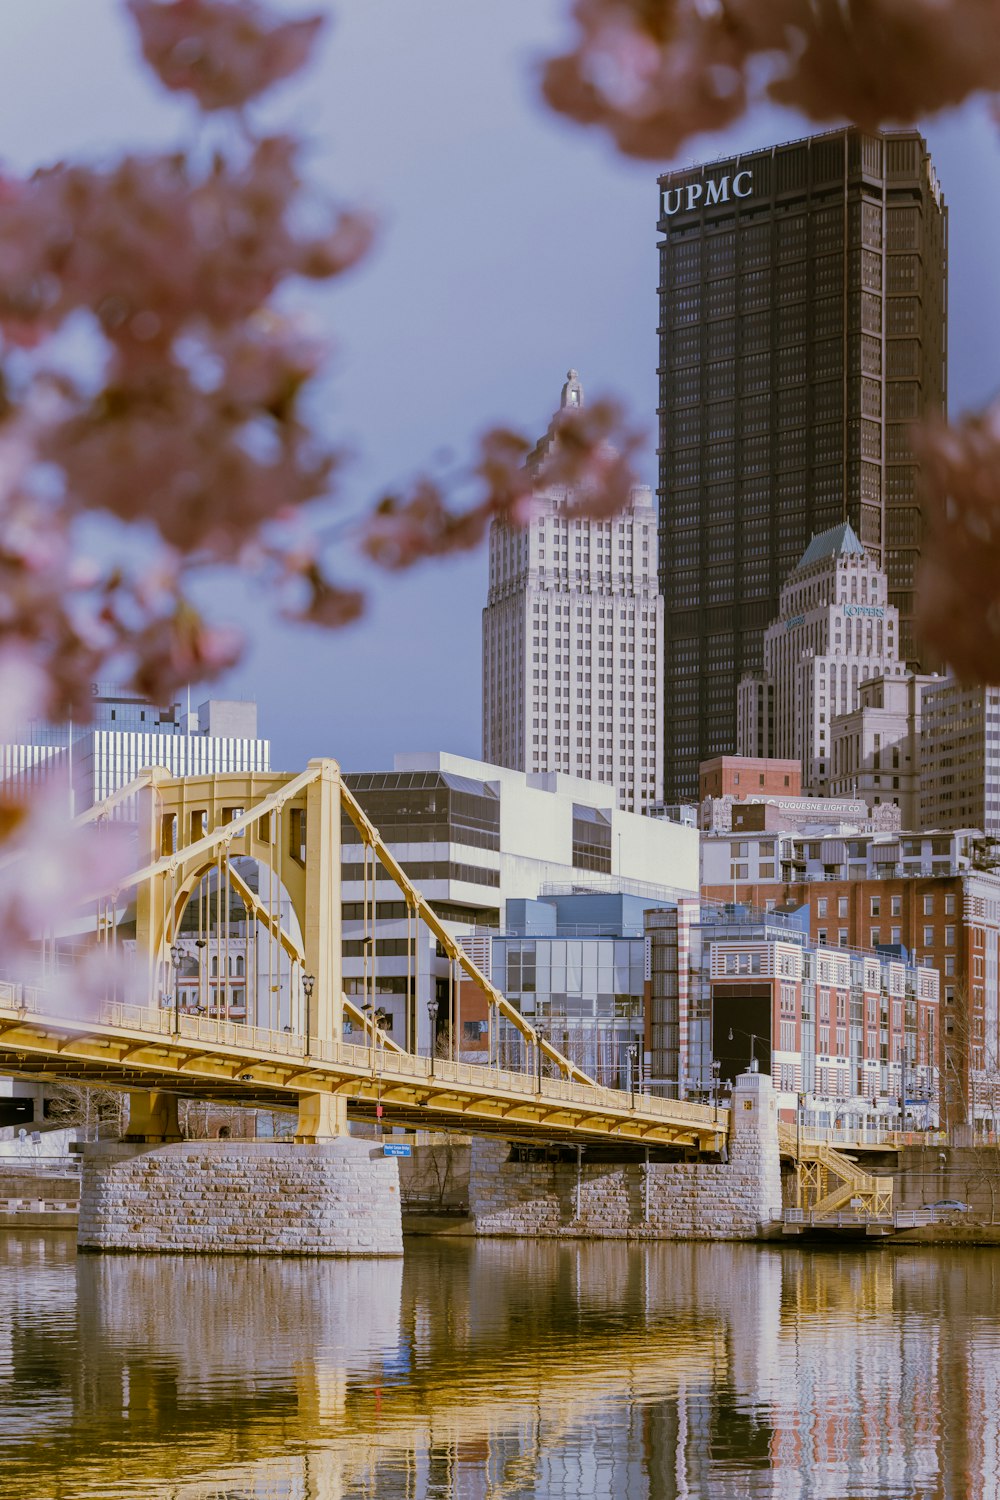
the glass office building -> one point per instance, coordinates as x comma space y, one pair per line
802, 331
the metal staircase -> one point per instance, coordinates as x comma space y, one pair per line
830, 1184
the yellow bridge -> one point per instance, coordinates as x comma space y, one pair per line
272, 844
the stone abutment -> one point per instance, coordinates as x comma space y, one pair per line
256, 1198
732, 1200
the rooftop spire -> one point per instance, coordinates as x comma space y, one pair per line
572, 391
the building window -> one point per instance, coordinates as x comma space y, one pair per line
821, 907
841, 906
876, 904
928, 906
591, 839
876, 937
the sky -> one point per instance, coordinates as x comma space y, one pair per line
512, 245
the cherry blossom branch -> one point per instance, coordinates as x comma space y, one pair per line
656, 73
958, 596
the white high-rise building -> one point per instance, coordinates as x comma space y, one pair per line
127, 734
835, 630
573, 641
960, 745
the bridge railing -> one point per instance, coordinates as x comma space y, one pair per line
901, 1218
792, 1136
378, 1061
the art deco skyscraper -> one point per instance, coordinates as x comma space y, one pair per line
573, 642
802, 331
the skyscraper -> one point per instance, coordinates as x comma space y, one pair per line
802, 330
573, 641
834, 631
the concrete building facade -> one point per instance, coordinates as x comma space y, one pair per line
960, 748
802, 330
476, 837
877, 750
573, 641
127, 734
834, 630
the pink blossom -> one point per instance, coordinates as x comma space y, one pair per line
959, 583
49, 870
588, 452
224, 52
326, 604
24, 690
655, 73
152, 245
179, 648
208, 467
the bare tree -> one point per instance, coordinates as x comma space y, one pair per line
95, 1112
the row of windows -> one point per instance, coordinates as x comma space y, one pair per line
431, 870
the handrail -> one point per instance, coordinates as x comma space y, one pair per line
375, 1060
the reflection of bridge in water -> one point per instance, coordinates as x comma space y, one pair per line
502, 1370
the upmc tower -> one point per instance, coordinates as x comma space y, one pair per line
802, 330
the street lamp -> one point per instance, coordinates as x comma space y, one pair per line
201, 943
633, 1068
716, 1071
432, 1011
308, 985
753, 1048
176, 955
377, 1018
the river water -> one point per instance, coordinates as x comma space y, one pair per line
497, 1370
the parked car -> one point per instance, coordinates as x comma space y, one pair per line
949, 1206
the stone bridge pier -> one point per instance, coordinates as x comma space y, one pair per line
731, 1200
326, 1194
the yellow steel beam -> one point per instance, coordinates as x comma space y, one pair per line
373, 838
131, 789
111, 1050
271, 920
209, 842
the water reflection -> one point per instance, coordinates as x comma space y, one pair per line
500, 1370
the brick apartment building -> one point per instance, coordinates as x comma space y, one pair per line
921, 893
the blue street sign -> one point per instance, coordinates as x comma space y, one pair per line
395, 1148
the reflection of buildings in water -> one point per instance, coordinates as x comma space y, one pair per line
482, 1372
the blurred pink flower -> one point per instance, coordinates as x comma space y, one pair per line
326, 603
958, 595
224, 52
49, 869
655, 73
24, 689
590, 453
179, 648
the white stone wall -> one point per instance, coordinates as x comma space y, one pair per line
241, 1198
672, 1201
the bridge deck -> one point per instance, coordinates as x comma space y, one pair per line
138, 1047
